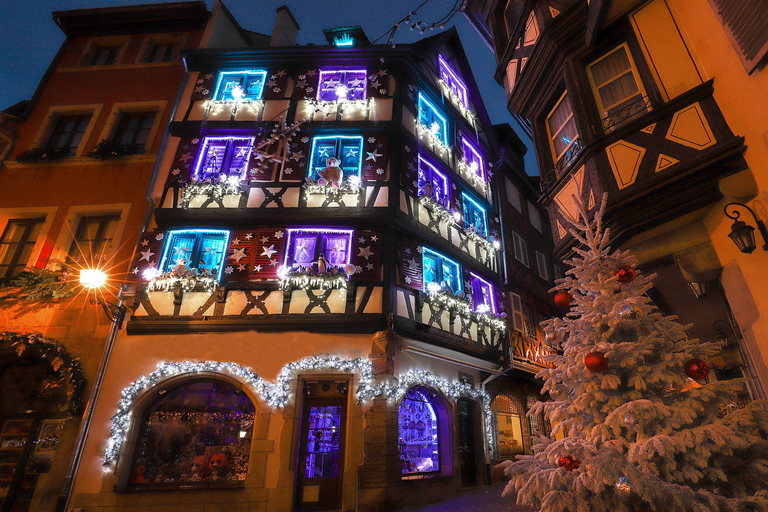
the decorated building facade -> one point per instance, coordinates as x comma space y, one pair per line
320, 314
77, 160
657, 104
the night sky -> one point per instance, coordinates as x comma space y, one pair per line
31, 39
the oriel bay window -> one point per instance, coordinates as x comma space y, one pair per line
433, 183
199, 434
318, 249
440, 272
433, 121
616, 85
474, 215
240, 85
223, 158
561, 128
347, 150
341, 85
201, 249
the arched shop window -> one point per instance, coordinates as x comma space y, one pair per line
421, 418
200, 432
508, 413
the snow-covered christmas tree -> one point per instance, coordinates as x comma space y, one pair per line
643, 430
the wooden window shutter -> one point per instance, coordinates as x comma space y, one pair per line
746, 23
366, 255
240, 254
147, 255
410, 265
517, 312
269, 253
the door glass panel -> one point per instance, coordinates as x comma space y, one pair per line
323, 442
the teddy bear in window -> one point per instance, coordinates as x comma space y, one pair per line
331, 174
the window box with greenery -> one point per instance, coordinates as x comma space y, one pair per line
110, 149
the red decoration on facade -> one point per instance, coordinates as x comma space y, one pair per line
563, 299
568, 462
596, 362
697, 369
626, 274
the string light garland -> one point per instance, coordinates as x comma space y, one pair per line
428, 132
469, 172
340, 106
350, 186
457, 102
441, 299
446, 215
278, 394
187, 279
297, 279
214, 191
216, 107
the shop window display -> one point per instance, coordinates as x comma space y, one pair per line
419, 445
197, 433
507, 413
323, 442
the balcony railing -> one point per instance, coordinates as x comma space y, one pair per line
627, 112
552, 175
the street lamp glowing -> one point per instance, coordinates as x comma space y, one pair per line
92, 278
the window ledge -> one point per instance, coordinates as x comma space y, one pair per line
182, 486
214, 191
70, 69
186, 279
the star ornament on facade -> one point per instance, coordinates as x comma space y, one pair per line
236, 241
366, 252
369, 266
273, 263
146, 255
269, 251
279, 234
373, 155
257, 268
249, 236
135, 271
374, 238
361, 240
352, 152
264, 239
238, 254
185, 157
145, 243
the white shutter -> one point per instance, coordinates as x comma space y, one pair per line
517, 312
521, 249
513, 195
533, 213
541, 263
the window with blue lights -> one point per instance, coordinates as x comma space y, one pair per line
341, 85
348, 150
432, 120
242, 85
452, 80
419, 434
482, 294
474, 215
473, 158
227, 156
304, 248
202, 249
440, 270
433, 183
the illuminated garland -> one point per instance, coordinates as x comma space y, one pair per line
488, 244
350, 186
214, 191
342, 106
495, 321
217, 107
456, 100
187, 280
278, 394
446, 215
444, 300
306, 281
424, 131
470, 174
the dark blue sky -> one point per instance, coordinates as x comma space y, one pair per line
31, 39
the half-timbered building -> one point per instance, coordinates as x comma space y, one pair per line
321, 297
651, 103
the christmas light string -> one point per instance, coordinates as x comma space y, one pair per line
278, 394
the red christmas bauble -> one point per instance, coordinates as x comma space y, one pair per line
596, 362
697, 369
625, 274
568, 462
563, 299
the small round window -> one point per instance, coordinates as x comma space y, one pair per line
196, 433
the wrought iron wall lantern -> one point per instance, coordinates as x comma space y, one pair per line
93, 280
742, 234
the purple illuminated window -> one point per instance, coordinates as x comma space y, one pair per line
323, 442
223, 157
305, 246
418, 444
198, 433
452, 80
341, 85
473, 158
433, 183
482, 294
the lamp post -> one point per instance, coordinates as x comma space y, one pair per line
93, 280
742, 234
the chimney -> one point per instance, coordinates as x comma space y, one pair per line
285, 30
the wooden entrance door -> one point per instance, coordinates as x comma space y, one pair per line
466, 423
321, 448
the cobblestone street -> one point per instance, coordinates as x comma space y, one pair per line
483, 498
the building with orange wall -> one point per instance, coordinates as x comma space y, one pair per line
77, 163
661, 105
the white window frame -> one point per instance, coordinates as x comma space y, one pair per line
559, 129
46, 128
118, 109
541, 265
72, 220
519, 310
534, 216
49, 213
177, 40
603, 109
520, 249
513, 195
94, 42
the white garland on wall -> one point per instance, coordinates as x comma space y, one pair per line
277, 394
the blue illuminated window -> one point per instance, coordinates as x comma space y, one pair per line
452, 80
246, 85
473, 158
203, 249
305, 245
223, 155
341, 85
433, 183
482, 294
440, 270
347, 150
433, 120
474, 215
